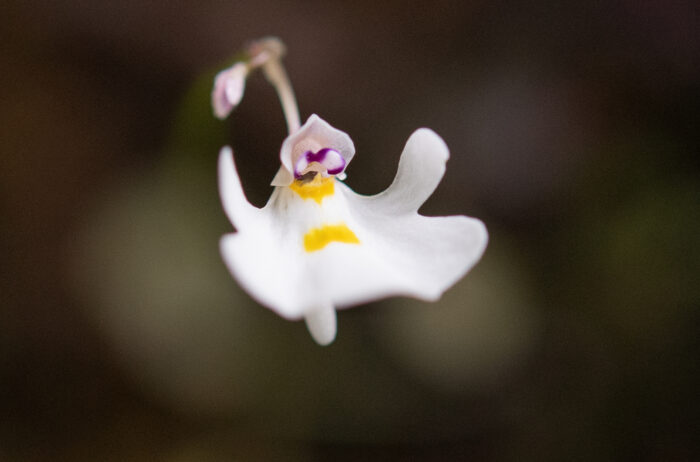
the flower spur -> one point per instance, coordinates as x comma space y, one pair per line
317, 246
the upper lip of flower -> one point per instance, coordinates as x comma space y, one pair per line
314, 136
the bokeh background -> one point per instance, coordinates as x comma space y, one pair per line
573, 128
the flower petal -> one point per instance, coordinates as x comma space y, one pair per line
322, 324
427, 255
408, 255
314, 135
264, 272
267, 257
421, 168
229, 86
237, 208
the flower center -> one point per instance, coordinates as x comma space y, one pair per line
315, 188
326, 161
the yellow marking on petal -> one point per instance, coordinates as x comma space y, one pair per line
318, 238
316, 189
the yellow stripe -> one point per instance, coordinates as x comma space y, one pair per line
316, 189
318, 238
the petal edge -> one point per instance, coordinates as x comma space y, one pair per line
237, 208
421, 167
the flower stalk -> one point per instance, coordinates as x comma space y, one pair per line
277, 76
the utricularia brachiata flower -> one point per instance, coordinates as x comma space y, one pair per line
318, 246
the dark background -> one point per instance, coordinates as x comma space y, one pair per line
573, 128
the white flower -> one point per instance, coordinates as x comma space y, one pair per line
317, 246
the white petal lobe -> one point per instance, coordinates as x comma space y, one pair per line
236, 206
409, 255
322, 324
421, 168
265, 270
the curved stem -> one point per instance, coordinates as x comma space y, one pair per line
277, 76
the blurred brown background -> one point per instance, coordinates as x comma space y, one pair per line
573, 128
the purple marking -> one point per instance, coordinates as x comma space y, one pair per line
329, 158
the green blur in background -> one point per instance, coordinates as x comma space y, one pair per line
573, 131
